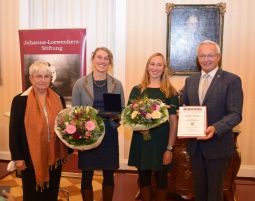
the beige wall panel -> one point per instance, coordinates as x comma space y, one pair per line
146, 33
10, 65
238, 57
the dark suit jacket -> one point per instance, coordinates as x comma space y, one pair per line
224, 102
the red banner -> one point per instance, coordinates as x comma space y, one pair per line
63, 49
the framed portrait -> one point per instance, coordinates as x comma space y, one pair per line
65, 68
187, 26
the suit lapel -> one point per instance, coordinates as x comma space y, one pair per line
196, 88
213, 84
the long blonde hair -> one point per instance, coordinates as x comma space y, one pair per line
165, 85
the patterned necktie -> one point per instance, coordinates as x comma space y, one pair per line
205, 85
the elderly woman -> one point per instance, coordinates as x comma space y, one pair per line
37, 152
89, 90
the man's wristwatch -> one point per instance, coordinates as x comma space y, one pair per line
170, 148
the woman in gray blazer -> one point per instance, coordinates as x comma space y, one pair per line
89, 91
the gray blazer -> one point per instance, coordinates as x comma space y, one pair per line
82, 93
224, 102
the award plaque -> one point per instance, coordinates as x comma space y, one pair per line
192, 121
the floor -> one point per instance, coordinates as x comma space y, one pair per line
125, 188
3, 169
71, 186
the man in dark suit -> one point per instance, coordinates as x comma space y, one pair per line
211, 154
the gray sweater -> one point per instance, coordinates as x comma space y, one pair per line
82, 93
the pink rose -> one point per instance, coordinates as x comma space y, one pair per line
155, 107
70, 129
135, 105
90, 125
148, 116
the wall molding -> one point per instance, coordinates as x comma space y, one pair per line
245, 170
5, 155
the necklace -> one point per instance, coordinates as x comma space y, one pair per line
99, 83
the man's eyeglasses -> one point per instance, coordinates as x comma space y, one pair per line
209, 56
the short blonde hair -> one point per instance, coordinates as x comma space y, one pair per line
40, 67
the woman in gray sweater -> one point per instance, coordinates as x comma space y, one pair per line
89, 91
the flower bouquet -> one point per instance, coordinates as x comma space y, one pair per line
143, 114
80, 127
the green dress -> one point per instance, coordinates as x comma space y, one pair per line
148, 154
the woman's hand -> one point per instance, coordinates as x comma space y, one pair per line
167, 157
20, 165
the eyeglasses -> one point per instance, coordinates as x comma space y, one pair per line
42, 77
209, 56
102, 58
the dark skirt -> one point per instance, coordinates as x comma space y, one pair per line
106, 155
148, 154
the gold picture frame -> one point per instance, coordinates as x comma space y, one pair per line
187, 26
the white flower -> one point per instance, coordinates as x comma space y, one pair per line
156, 114
87, 109
134, 114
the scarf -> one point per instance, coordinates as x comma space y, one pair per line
46, 150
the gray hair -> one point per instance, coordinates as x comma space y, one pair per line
212, 43
39, 67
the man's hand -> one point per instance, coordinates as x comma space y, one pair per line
210, 131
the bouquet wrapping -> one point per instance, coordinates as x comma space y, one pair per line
80, 127
143, 114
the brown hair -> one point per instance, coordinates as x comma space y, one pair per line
165, 86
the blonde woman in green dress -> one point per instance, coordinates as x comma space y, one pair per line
155, 155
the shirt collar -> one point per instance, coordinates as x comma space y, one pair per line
211, 73
25, 93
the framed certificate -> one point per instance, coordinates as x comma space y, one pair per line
192, 121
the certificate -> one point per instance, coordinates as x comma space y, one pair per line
192, 121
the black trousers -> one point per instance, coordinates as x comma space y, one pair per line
29, 186
208, 176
